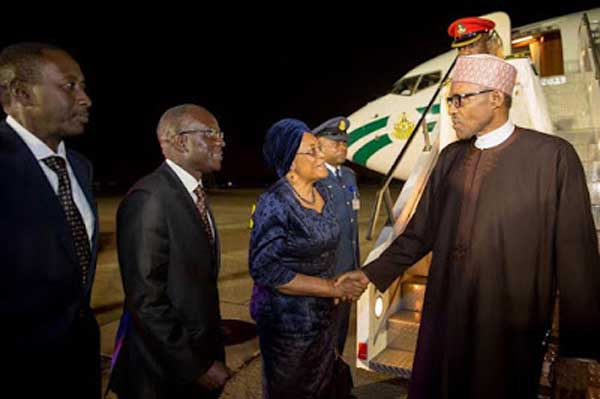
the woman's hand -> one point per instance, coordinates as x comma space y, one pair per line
349, 286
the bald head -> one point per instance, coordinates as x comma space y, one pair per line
174, 120
190, 136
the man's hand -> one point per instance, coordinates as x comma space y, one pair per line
215, 377
350, 285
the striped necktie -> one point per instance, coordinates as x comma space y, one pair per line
202, 205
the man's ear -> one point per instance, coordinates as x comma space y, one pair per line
180, 143
21, 92
497, 99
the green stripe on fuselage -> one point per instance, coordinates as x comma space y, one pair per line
366, 151
364, 130
435, 109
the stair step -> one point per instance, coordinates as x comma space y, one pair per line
594, 152
394, 361
413, 293
583, 150
568, 108
588, 152
594, 188
596, 215
578, 136
404, 327
592, 171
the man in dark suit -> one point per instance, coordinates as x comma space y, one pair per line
341, 181
48, 228
169, 258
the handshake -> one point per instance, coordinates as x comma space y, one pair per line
349, 286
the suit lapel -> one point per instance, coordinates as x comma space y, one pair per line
184, 198
39, 193
217, 243
79, 170
84, 179
188, 204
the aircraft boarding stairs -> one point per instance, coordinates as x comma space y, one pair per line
391, 337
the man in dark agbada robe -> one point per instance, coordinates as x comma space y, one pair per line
507, 215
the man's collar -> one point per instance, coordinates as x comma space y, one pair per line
39, 149
331, 168
495, 137
186, 178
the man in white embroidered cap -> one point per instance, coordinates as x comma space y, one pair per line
477, 82
475, 35
507, 215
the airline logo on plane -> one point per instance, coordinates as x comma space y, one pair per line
403, 127
386, 131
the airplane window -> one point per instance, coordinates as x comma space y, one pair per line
429, 80
406, 86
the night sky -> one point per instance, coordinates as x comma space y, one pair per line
311, 71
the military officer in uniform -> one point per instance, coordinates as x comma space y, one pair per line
474, 35
341, 181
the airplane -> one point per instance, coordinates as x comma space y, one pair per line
565, 52
380, 128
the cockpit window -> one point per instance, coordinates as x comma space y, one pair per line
412, 84
406, 86
429, 80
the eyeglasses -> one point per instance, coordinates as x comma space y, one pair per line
457, 99
210, 133
314, 152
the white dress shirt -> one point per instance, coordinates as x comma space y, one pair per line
333, 169
495, 137
40, 151
190, 184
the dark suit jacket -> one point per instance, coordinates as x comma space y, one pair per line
47, 325
169, 273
